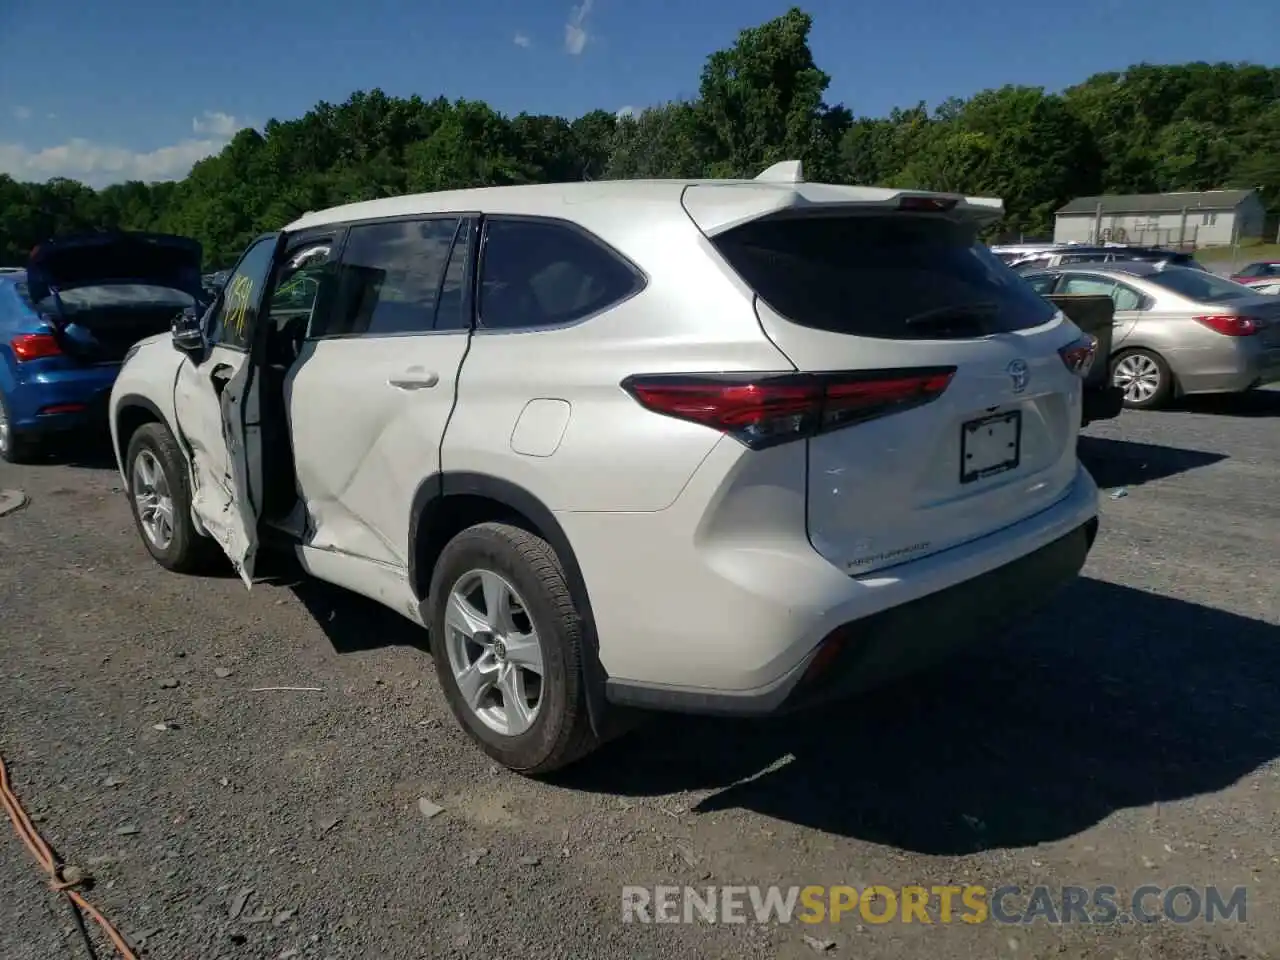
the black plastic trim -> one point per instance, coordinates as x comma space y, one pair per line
430, 502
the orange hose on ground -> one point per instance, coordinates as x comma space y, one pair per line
27, 832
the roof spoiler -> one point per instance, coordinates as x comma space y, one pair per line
782, 190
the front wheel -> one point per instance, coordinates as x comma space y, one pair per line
1144, 377
507, 644
160, 497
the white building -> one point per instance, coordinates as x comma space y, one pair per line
1211, 218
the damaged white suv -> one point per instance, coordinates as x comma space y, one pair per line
706, 446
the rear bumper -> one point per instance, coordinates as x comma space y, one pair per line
931, 608
53, 403
906, 639
1246, 366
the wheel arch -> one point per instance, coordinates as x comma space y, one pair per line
447, 503
131, 412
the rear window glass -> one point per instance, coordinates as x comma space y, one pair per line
889, 277
1199, 285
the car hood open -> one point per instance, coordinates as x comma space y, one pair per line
109, 259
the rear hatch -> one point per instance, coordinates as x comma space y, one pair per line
104, 292
878, 281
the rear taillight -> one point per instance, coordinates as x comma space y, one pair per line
1230, 326
765, 409
1078, 354
34, 346
927, 204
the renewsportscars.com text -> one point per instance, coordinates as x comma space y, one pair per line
972, 904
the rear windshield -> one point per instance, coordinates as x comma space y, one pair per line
117, 295
1200, 286
896, 277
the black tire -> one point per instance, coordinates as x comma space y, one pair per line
15, 448
188, 550
561, 732
1164, 389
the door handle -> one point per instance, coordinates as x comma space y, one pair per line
415, 378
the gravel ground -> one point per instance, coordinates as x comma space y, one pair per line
1127, 736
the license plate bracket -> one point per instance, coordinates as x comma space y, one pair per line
990, 445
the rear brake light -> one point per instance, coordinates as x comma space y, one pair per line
1230, 326
766, 409
927, 204
34, 346
1079, 354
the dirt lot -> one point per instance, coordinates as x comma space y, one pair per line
1128, 736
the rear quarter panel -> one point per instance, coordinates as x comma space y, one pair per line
612, 455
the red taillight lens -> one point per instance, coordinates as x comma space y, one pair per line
762, 410
1230, 326
33, 346
1079, 354
928, 204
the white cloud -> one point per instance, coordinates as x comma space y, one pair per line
520, 40
22, 113
575, 31
626, 113
216, 123
99, 164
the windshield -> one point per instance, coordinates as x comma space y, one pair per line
118, 295
1200, 285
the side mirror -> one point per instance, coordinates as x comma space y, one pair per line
188, 333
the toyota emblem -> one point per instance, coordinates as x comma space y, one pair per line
1019, 374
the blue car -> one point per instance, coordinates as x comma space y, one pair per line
69, 318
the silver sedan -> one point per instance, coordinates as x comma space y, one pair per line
1178, 331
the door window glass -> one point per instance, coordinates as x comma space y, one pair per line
236, 315
389, 278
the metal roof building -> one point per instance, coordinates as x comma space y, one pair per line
1207, 218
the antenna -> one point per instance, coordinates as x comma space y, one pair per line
785, 171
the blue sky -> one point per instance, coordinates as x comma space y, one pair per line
142, 88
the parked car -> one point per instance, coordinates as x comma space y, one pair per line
68, 320
1269, 285
705, 446
1259, 270
1067, 254
1178, 331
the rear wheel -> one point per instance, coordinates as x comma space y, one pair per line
14, 447
160, 497
1144, 377
507, 644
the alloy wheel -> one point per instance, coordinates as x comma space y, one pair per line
494, 652
154, 501
1138, 375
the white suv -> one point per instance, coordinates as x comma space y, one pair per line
707, 446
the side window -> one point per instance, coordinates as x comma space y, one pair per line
1042, 283
390, 277
1087, 285
232, 325
303, 279
1126, 298
536, 273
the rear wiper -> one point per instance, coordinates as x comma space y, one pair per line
981, 310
